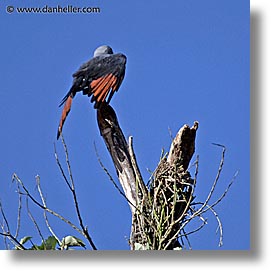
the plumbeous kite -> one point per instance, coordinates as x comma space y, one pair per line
99, 77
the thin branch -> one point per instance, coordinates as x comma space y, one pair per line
110, 176
10, 236
220, 228
226, 190
18, 211
204, 222
4, 216
34, 221
15, 177
7, 233
5, 237
37, 178
207, 207
68, 162
60, 167
185, 235
216, 179
72, 189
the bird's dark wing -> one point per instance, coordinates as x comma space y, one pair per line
103, 77
99, 77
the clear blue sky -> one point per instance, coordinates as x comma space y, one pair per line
187, 60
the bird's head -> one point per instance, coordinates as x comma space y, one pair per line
103, 50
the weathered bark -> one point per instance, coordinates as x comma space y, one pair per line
183, 146
157, 211
118, 149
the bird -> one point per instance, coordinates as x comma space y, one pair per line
98, 78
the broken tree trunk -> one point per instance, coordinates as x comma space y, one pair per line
158, 210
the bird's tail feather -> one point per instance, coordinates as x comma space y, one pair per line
67, 107
65, 98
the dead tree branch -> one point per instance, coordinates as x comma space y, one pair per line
161, 211
119, 151
158, 211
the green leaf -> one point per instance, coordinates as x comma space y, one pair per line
70, 241
48, 244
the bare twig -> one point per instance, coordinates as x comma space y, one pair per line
34, 221
4, 217
185, 234
220, 228
109, 175
11, 237
27, 193
216, 179
45, 212
5, 237
60, 167
226, 190
8, 232
68, 164
71, 186
18, 211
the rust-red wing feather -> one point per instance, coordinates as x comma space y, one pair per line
104, 92
65, 112
100, 87
114, 85
95, 84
